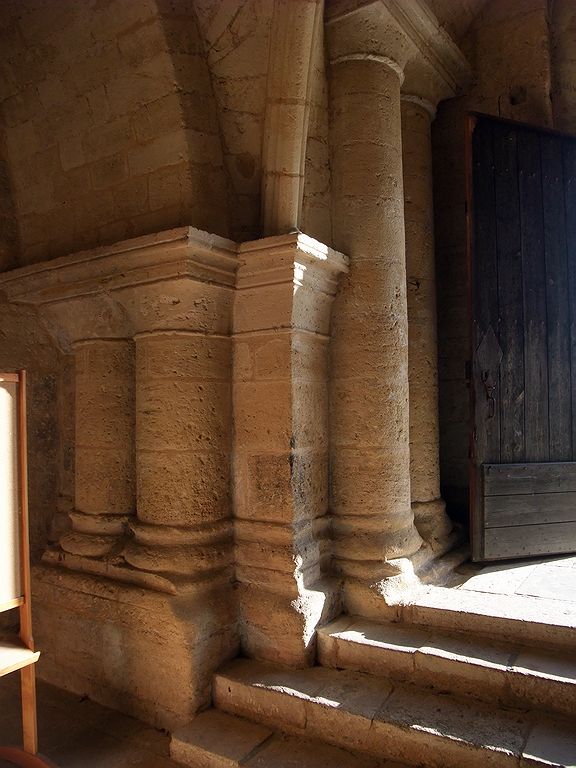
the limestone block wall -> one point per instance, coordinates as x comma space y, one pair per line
509, 48
110, 123
25, 343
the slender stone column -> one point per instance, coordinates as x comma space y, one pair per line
429, 509
370, 422
105, 480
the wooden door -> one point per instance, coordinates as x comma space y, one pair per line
522, 248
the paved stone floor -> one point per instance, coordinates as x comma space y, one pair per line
551, 579
77, 733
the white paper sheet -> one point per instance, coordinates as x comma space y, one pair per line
9, 501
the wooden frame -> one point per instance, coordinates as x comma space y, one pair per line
17, 653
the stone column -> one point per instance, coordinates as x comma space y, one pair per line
281, 330
183, 417
370, 422
104, 477
429, 509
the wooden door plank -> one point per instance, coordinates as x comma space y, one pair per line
510, 295
513, 479
569, 168
536, 429
485, 297
529, 540
483, 273
558, 311
529, 509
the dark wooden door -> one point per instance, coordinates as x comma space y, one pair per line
522, 243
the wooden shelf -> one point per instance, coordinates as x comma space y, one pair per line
14, 655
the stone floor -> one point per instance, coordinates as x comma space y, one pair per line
551, 579
77, 733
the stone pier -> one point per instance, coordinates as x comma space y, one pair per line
145, 578
281, 330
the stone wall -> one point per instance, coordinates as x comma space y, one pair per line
25, 343
110, 123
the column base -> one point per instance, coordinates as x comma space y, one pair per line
433, 523
405, 577
135, 649
95, 535
194, 552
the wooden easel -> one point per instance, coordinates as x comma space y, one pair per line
17, 652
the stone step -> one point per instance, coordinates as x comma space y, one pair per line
215, 739
395, 721
545, 623
463, 664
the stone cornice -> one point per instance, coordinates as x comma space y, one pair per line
305, 246
178, 253
417, 22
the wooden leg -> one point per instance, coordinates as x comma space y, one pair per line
29, 728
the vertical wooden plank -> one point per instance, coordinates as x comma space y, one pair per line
485, 282
485, 441
28, 674
536, 429
557, 300
28, 691
569, 168
510, 294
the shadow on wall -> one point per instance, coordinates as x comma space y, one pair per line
25, 344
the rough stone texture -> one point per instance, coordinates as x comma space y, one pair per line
142, 652
104, 473
281, 325
370, 430
24, 343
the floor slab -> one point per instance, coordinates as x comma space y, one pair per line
75, 732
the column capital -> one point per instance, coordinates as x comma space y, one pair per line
405, 32
419, 101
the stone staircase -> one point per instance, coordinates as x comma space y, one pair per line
458, 681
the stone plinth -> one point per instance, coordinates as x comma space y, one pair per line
282, 308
